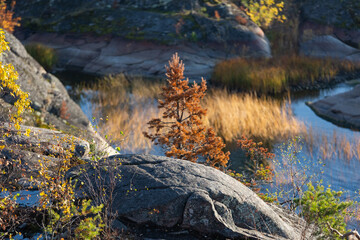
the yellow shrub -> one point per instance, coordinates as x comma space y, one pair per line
264, 12
8, 77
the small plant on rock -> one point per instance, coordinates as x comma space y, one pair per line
181, 129
259, 170
258, 156
63, 214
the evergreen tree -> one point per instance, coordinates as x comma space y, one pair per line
181, 130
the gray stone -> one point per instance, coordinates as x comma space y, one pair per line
116, 224
341, 109
27, 183
50, 141
143, 31
48, 97
169, 193
43, 88
23, 153
329, 46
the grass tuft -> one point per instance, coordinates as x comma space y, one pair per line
44, 55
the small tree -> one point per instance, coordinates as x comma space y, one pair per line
181, 130
7, 20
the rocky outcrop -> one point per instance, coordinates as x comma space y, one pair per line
349, 36
21, 155
325, 19
138, 37
170, 193
51, 103
329, 47
103, 56
331, 17
46, 92
341, 109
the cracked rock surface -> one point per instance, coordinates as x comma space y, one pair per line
189, 196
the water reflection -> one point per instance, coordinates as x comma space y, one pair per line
330, 152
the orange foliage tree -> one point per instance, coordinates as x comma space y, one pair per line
181, 130
7, 20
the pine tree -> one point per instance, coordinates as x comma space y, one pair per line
181, 130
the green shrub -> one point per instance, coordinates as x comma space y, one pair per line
44, 55
325, 209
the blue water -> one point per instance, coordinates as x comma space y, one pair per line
339, 173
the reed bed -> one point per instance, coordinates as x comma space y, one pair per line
332, 146
128, 104
233, 115
277, 75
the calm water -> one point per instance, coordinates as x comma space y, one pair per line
337, 171
340, 173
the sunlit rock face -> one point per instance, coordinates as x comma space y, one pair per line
170, 193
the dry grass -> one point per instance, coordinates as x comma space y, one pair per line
233, 115
278, 74
46, 56
129, 105
334, 146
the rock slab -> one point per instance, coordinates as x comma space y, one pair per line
46, 92
341, 109
167, 193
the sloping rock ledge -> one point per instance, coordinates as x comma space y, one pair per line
49, 98
189, 196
